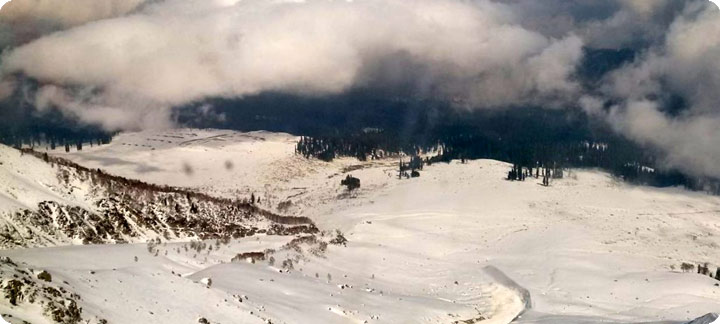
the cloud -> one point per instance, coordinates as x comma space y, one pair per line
133, 114
602, 23
175, 52
22, 21
689, 143
65, 13
687, 66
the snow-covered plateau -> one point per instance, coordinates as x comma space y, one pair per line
459, 244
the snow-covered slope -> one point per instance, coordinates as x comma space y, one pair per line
228, 164
459, 244
586, 246
218, 162
48, 201
27, 181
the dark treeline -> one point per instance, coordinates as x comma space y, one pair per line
21, 125
49, 130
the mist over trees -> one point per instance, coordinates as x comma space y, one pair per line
22, 125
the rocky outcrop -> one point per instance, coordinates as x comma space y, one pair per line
19, 289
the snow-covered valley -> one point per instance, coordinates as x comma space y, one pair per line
459, 244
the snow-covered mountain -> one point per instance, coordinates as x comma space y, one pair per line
457, 245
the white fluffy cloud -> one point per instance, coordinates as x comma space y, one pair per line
687, 64
178, 51
65, 12
689, 143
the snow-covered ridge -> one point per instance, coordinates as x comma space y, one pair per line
48, 200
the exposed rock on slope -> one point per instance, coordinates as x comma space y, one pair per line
21, 289
93, 207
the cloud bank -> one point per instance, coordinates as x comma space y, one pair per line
66, 13
123, 64
22, 21
174, 52
685, 65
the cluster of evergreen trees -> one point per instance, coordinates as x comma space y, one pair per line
363, 147
520, 173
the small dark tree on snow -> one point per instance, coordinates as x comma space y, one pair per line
516, 173
416, 163
339, 239
703, 269
351, 183
687, 267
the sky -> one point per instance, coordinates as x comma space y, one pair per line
123, 64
